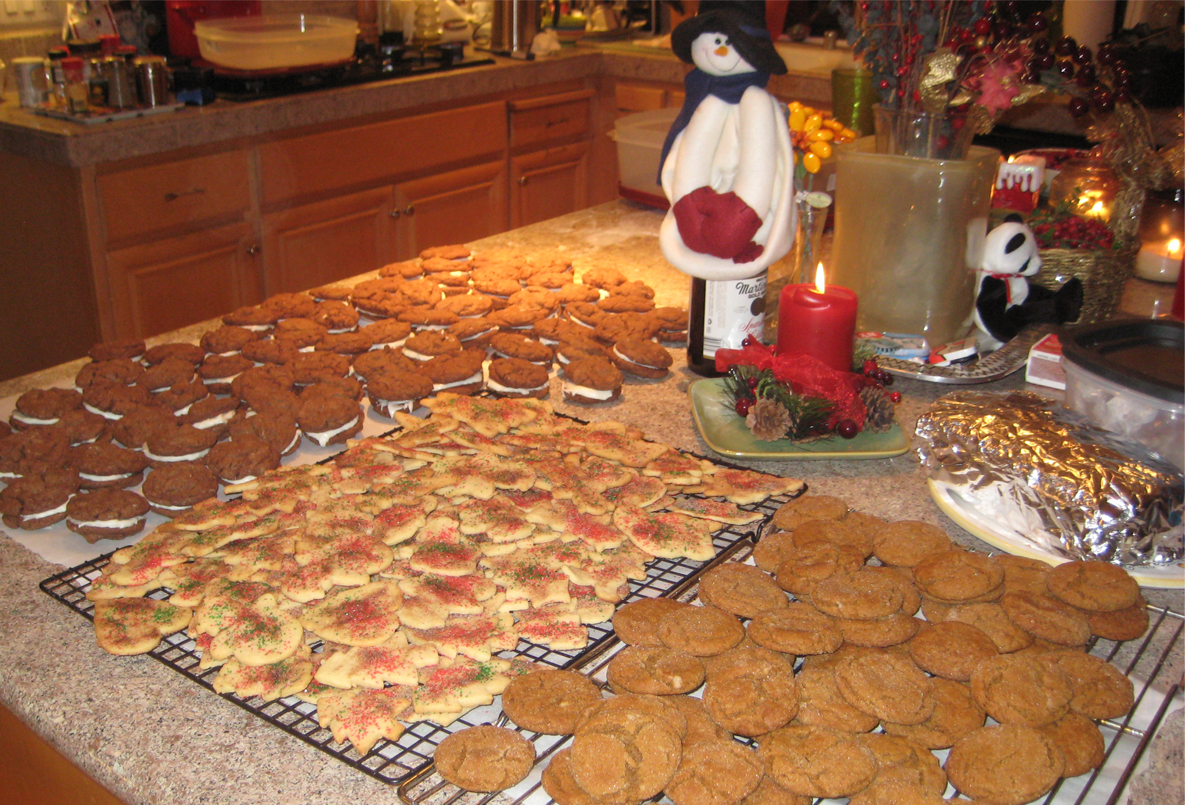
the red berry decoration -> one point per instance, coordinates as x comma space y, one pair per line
1043, 61
847, 428
752, 381
1103, 100
983, 26
869, 366
1082, 55
1037, 23
743, 405
1077, 107
895, 396
749, 341
1066, 46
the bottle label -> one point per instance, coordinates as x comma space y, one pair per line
733, 309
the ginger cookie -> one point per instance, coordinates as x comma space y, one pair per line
559, 784
891, 630
1080, 741
906, 543
1100, 689
951, 649
1046, 617
956, 713
803, 567
816, 761
903, 761
549, 701
715, 773
658, 708
769, 792
743, 590
1021, 689
1093, 585
701, 631
856, 594
806, 508
1123, 624
797, 628
485, 758
820, 703
955, 576
1023, 573
700, 726
658, 671
636, 623
751, 701
127, 626
992, 620
902, 579
1006, 764
887, 685
624, 755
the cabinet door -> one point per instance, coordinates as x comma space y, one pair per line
454, 207
165, 284
545, 184
317, 243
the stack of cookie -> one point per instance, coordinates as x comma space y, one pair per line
846, 691
412, 561
297, 366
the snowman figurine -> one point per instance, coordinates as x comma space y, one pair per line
727, 164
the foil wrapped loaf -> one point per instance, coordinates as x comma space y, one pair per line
1042, 471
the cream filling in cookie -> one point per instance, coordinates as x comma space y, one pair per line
574, 390
395, 405
416, 356
322, 437
187, 457
501, 354
476, 377
102, 479
292, 444
104, 414
217, 419
30, 420
243, 480
167, 507
631, 361
25, 518
227, 379
494, 385
105, 523
391, 344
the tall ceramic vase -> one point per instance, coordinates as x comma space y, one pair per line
910, 217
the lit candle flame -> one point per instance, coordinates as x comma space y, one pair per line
1097, 209
820, 280
1174, 247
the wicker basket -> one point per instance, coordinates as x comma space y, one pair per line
1103, 273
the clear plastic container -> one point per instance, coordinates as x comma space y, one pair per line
276, 41
639, 146
1125, 377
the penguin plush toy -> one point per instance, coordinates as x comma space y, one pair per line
727, 165
1005, 301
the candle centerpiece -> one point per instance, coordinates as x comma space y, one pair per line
1160, 262
818, 320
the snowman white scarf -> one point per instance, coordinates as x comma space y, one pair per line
728, 175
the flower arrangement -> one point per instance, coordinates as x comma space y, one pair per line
798, 398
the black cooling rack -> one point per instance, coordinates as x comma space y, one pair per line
394, 761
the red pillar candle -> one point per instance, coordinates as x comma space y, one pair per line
818, 320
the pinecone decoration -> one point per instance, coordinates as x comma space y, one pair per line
879, 409
768, 420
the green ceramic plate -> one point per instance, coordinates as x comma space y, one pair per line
727, 434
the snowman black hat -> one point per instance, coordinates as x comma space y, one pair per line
744, 25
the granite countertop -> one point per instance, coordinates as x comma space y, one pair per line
73, 144
151, 736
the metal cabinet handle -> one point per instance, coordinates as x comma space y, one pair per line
253, 249
196, 191
522, 181
409, 210
395, 214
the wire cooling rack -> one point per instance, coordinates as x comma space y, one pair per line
1126, 740
393, 761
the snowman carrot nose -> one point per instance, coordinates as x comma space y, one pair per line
721, 51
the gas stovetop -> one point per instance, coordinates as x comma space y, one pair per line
387, 62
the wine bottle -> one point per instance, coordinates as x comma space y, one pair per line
720, 315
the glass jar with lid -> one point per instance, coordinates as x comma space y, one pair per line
1087, 186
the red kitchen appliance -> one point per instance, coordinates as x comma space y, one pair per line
180, 15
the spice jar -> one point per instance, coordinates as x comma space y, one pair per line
1087, 185
77, 90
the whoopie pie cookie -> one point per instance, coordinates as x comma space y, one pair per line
517, 345
83, 427
227, 339
460, 373
387, 333
302, 333
43, 407
514, 377
103, 464
219, 371
119, 371
428, 344
251, 317
38, 500
243, 459
290, 305
214, 414
125, 348
190, 353
133, 428
173, 489
641, 357
576, 347
329, 419
350, 344
270, 351
348, 387
180, 397
397, 390
106, 514
474, 333
277, 428
180, 442
112, 401
336, 317
591, 380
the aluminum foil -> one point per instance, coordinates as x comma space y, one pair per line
1046, 474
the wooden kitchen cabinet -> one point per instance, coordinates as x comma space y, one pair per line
165, 284
454, 207
314, 244
547, 183
631, 97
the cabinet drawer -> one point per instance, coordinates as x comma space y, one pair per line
174, 194
537, 120
638, 97
334, 160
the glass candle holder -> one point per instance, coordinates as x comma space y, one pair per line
1087, 185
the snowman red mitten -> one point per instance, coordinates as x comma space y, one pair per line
719, 224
